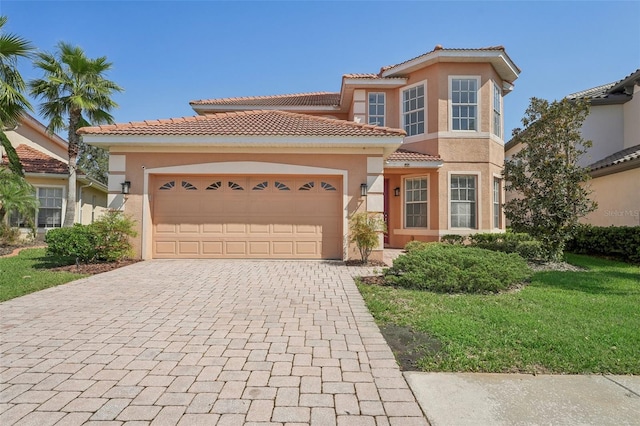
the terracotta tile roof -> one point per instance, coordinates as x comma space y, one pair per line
34, 161
440, 48
245, 123
296, 99
623, 156
364, 75
593, 93
405, 155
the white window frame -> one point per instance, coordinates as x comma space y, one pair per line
477, 103
496, 206
384, 109
62, 206
404, 201
402, 90
478, 200
496, 96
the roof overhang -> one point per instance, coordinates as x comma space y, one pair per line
89, 181
388, 143
386, 83
203, 109
47, 175
413, 164
498, 58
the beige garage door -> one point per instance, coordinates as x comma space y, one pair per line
247, 217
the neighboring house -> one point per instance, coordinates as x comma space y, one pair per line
613, 126
420, 142
44, 162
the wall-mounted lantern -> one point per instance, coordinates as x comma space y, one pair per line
396, 192
363, 189
126, 187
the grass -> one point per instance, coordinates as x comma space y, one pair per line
28, 272
563, 322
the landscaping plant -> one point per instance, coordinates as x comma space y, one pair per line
509, 242
365, 229
105, 240
549, 183
446, 268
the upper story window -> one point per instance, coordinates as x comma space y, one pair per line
413, 110
464, 103
376, 109
497, 110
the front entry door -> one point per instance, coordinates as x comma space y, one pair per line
386, 211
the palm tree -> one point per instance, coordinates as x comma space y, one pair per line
16, 195
13, 102
73, 87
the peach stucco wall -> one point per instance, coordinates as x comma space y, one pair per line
354, 164
614, 209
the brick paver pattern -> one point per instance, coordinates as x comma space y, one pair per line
197, 342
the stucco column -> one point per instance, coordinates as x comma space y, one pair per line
375, 197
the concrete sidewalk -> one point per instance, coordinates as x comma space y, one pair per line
518, 399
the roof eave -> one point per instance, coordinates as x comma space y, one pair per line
505, 67
199, 108
413, 164
376, 82
616, 168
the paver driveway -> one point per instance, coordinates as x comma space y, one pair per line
201, 342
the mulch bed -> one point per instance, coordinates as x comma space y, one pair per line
95, 268
358, 262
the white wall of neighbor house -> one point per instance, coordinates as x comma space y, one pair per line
632, 120
605, 127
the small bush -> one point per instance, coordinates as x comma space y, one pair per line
105, 240
445, 268
8, 235
79, 242
509, 242
365, 229
621, 242
112, 231
453, 239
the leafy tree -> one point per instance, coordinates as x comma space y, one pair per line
13, 102
365, 229
73, 87
16, 194
94, 161
551, 195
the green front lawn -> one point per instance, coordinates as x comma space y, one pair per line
27, 272
563, 322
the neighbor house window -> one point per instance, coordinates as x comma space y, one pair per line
50, 210
376, 109
415, 202
497, 212
497, 111
463, 201
464, 103
413, 110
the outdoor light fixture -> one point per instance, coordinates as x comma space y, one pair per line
126, 186
363, 189
396, 192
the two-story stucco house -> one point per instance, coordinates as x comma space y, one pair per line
613, 160
420, 142
44, 160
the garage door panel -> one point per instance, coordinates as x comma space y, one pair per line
212, 248
211, 216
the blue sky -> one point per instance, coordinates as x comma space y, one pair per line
166, 53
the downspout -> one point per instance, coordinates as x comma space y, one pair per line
80, 201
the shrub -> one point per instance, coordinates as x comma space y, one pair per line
8, 235
414, 245
448, 268
453, 239
78, 241
365, 229
509, 242
621, 242
105, 240
112, 231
